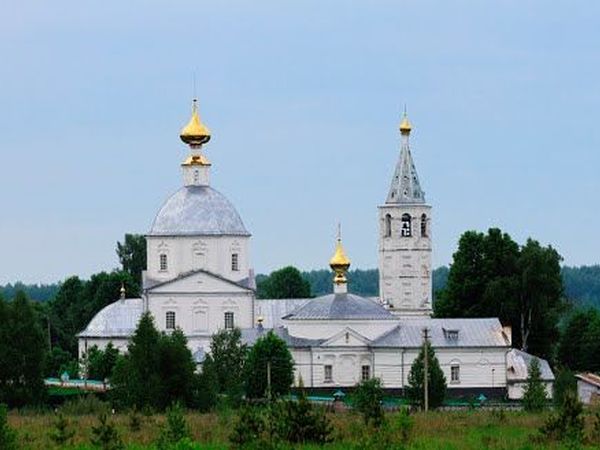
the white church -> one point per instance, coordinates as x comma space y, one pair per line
199, 278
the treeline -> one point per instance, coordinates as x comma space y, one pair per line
37, 292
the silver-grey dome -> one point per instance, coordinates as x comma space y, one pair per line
340, 307
119, 319
198, 210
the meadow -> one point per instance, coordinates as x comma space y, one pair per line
460, 430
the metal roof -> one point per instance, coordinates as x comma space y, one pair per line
251, 335
405, 186
340, 307
198, 211
273, 309
445, 333
119, 319
518, 362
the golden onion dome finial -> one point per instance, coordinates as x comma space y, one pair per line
339, 262
405, 125
122, 291
195, 133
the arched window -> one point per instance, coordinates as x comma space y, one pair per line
406, 230
170, 320
163, 266
388, 225
229, 324
423, 225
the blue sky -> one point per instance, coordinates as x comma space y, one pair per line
303, 99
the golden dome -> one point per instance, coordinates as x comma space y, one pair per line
195, 132
405, 125
339, 263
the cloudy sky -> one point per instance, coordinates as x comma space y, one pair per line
303, 99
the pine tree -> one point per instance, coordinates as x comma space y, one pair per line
205, 388
177, 369
175, 430
62, 433
534, 397
368, 400
105, 435
436, 379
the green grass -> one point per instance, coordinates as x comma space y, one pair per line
455, 430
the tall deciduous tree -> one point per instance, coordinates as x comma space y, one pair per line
284, 283
132, 255
436, 380
228, 358
269, 351
491, 276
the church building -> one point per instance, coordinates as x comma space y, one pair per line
199, 278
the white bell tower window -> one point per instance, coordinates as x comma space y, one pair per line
229, 324
406, 230
388, 226
423, 225
163, 263
235, 262
170, 320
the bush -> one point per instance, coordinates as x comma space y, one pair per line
405, 424
565, 382
534, 397
105, 435
62, 433
436, 387
568, 424
84, 405
175, 430
8, 437
249, 427
368, 400
301, 422
135, 421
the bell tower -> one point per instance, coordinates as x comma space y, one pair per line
405, 239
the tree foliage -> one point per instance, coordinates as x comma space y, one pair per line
368, 400
534, 396
436, 386
491, 276
8, 436
132, 255
284, 283
269, 350
302, 422
228, 356
101, 363
23, 347
564, 383
579, 344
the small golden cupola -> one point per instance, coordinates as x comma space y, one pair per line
339, 263
195, 133
405, 125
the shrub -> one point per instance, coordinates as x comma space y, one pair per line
595, 437
368, 400
135, 421
568, 423
436, 387
85, 405
62, 433
405, 424
8, 437
301, 422
175, 430
565, 382
249, 427
105, 435
534, 397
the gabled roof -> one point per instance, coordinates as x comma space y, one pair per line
244, 284
331, 341
340, 307
518, 362
471, 333
589, 378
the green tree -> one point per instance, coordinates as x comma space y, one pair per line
105, 435
132, 255
300, 422
59, 361
534, 396
368, 400
269, 351
564, 383
205, 388
572, 339
26, 348
174, 430
137, 377
8, 436
228, 358
436, 386
284, 283
101, 363
567, 424
177, 369
62, 433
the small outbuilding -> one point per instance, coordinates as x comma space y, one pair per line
517, 365
588, 388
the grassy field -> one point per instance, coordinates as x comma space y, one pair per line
460, 430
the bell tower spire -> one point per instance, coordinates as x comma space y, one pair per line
405, 238
196, 167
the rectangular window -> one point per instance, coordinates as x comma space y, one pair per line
235, 264
455, 374
163, 262
328, 378
229, 321
170, 320
365, 373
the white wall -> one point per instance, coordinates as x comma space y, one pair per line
211, 253
312, 329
